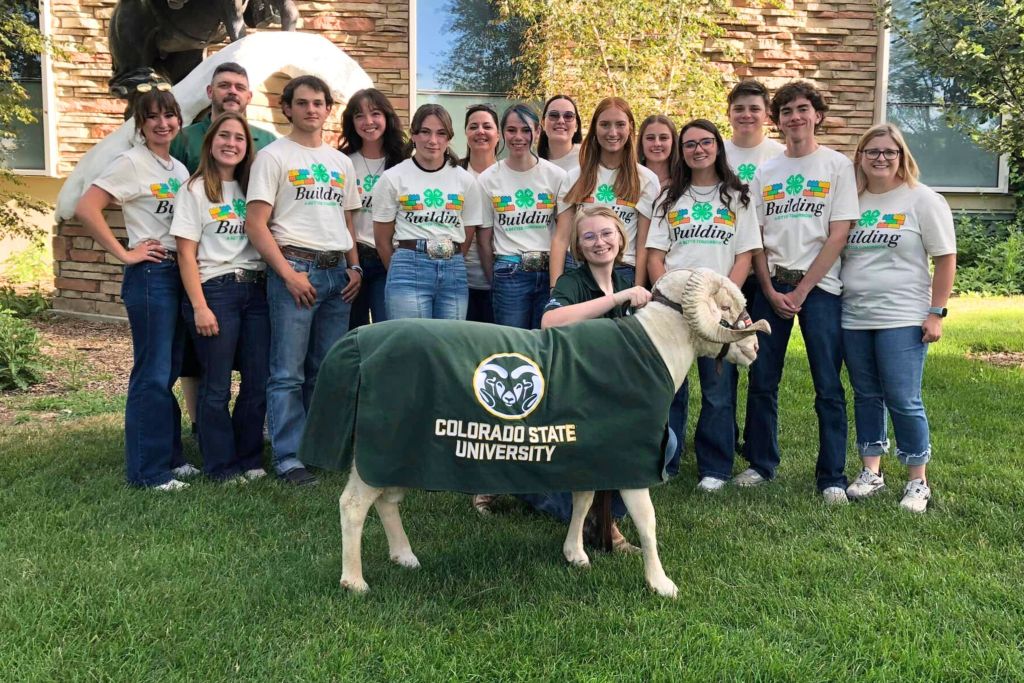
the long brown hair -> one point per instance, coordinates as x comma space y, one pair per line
445, 118
208, 167
627, 179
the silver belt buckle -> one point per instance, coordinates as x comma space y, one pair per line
441, 248
534, 261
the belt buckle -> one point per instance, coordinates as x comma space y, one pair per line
327, 259
788, 277
535, 261
441, 248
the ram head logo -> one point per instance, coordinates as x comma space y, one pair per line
508, 385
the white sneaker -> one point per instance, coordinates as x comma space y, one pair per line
866, 484
237, 480
748, 477
172, 485
915, 496
835, 495
186, 471
710, 484
255, 473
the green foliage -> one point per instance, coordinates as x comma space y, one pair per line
30, 265
649, 52
21, 360
24, 304
990, 257
484, 52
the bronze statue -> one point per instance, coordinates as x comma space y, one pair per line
153, 41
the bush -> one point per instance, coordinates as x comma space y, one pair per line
32, 264
26, 304
21, 360
990, 257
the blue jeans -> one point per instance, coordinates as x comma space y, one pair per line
371, 292
422, 287
627, 272
152, 420
232, 442
519, 297
820, 318
299, 340
715, 439
886, 368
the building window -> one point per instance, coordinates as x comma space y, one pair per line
27, 151
948, 158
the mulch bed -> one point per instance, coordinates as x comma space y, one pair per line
99, 354
1002, 359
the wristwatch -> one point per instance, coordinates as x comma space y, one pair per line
358, 268
940, 311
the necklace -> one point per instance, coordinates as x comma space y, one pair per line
166, 165
370, 179
698, 196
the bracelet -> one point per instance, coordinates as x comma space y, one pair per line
358, 268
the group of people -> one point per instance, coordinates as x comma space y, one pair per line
249, 253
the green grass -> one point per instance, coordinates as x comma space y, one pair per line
102, 582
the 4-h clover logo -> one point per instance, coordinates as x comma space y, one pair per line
701, 211
605, 193
174, 184
239, 206
433, 198
869, 218
320, 173
794, 184
746, 172
524, 198
508, 385
369, 181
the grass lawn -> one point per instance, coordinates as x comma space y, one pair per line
102, 582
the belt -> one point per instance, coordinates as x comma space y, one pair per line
529, 261
435, 249
171, 256
320, 259
241, 275
788, 277
367, 253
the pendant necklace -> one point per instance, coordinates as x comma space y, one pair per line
166, 165
698, 196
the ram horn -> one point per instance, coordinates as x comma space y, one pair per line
701, 289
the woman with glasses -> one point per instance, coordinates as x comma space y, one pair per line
373, 140
144, 181
705, 219
609, 175
658, 150
225, 308
561, 133
482, 142
432, 207
893, 308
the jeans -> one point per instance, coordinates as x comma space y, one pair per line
820, 318
481, 306
715, 439
422, 287
627, 272
299, 340
152, 295
370, 301
519, 297
886, 368
232, 442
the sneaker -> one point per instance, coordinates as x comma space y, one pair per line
300, 476
915, 496
710, 484
172, 485
835, 495
237, 480
186, 471
749, 477
866, 484
482, 503
255, 473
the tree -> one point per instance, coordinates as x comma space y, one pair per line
649, 52
484, 52
21, 44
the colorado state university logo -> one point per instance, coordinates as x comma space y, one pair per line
508, 385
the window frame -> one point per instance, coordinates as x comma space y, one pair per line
47, 117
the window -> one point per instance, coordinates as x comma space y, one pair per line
948, 158
27, 152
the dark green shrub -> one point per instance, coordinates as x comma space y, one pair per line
21, 361
24, 304
990, 257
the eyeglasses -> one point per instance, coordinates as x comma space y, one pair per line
564, 115
146, 87
704, 143
887, 154
592, 237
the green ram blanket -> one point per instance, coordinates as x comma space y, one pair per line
460, 406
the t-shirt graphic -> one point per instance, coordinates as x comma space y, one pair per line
425, 204
745, 161
522, 206
365, 182
218, 227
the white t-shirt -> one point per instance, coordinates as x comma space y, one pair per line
744, 161
218, 227
885, 275
475, 276
309, 188
140, 182
521, 206
603, 194
704, 234
570, 161
796, 200
427, 204
367, 173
